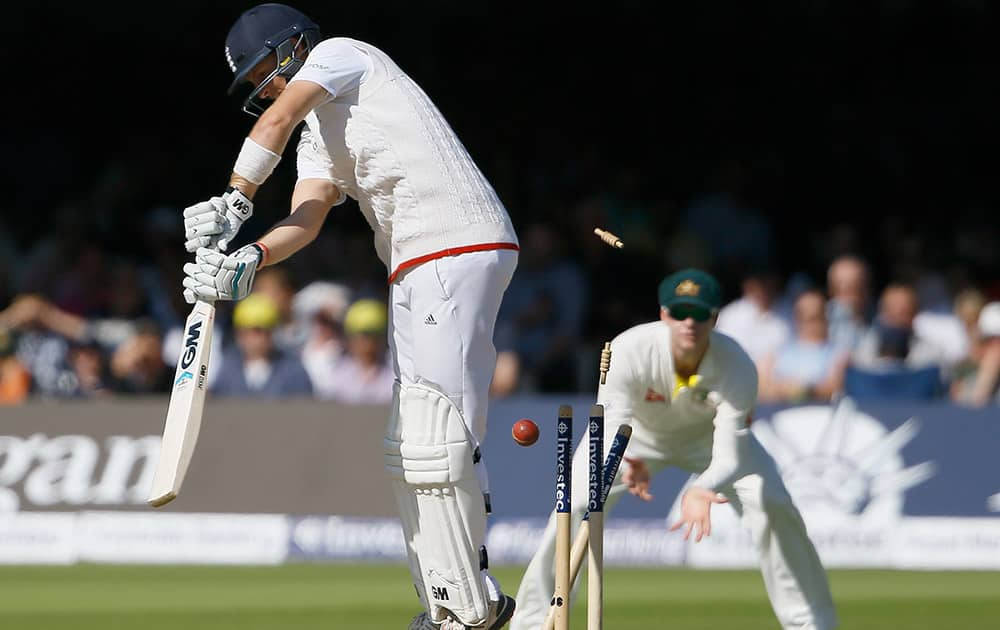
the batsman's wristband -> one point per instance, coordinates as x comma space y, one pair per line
265, 253
255, 163
262, 251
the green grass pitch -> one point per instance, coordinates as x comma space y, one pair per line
327, 596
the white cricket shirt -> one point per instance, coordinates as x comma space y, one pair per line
714, 407
381, 140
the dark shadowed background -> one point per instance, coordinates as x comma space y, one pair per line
837, 126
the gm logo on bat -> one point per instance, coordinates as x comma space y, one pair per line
191, 344
190, 347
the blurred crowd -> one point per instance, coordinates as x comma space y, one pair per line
842, 194
909, 340
319, 341
906, 314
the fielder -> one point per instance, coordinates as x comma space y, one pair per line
371, 133
689, 391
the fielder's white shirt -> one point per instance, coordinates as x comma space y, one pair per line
381, 140
714, 407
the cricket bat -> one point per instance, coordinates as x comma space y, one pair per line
187, 400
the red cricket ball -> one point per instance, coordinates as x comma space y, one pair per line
525, 432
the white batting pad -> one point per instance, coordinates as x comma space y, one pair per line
429, 457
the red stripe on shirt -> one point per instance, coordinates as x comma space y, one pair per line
453, 251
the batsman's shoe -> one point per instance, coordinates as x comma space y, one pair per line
500, 613
421, 622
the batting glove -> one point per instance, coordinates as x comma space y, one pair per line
219, 218
215, 276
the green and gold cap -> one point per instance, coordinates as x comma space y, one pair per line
690, 286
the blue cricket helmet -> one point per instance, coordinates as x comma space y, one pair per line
268, 29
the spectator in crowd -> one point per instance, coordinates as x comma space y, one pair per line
968, 305
108, 324
254, 365
796, 283
752, 319
506, 374
809, 367
892, 361
364, 374
276, 283
890, 378
894, 336
944, 329
541, 317
319, 309
65, 353
137, 365
42, 352
849, 308
977, 381
15, 379
89, 376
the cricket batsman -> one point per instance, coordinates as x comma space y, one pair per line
689, 393
372, 134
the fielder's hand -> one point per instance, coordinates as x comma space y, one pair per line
696, 509
636, 478
214, 276
219, 217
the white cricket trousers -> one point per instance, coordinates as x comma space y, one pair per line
441, 321
794, 578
